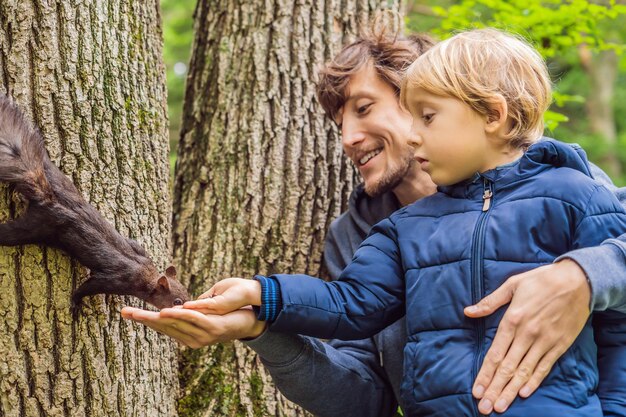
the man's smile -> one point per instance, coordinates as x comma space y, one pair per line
361, 158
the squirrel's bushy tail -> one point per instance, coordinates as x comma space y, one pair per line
23, 157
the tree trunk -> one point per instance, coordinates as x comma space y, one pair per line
90, 75
260, 173
601, 69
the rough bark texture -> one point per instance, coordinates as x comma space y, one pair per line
260, 173
90, 75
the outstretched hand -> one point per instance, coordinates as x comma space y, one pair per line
549, 308
195, 329
226, 296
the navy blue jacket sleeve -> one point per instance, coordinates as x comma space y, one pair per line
368, 296
605, 265
604, 219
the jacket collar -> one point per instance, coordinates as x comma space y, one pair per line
546, 153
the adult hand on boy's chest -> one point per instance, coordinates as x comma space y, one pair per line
548, 308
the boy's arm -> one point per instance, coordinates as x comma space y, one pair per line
368, 296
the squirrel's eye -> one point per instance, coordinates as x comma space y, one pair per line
178, 302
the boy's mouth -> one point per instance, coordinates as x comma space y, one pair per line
422, 162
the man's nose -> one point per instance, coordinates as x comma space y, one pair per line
351, 136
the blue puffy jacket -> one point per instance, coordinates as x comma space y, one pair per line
502, 222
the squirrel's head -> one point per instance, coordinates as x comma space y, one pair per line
168, 291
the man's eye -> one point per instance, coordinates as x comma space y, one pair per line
178, 302
363, 109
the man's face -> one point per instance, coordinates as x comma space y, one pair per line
375, 132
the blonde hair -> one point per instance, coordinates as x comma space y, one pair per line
477, 66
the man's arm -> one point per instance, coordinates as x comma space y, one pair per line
605, 267
315, 375
355, 384
548, 308
326, 380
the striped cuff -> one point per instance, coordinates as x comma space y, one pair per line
271, 301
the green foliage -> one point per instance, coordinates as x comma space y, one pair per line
552, 25
552, 119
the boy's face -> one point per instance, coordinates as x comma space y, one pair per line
375, 132
449, 137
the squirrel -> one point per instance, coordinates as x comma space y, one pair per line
58, 216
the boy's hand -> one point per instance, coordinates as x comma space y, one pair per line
227, 295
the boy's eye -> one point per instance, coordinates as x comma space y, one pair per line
427, 118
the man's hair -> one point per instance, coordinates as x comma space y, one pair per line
389, 54
477, 66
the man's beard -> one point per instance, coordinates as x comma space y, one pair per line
391, 179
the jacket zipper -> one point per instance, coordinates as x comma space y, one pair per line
478, 247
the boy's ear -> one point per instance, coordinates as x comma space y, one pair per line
498, 114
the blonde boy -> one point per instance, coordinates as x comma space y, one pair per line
504, 205
491, 88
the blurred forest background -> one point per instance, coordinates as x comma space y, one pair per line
582, 41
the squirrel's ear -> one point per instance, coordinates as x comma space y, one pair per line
163, 282
170, 272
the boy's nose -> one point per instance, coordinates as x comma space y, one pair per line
415, 140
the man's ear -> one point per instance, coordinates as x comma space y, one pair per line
498, 114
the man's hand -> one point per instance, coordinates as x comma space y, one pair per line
549, 308
227, 295
195, 329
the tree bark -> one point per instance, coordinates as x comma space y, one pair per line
260, 171
90, 75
